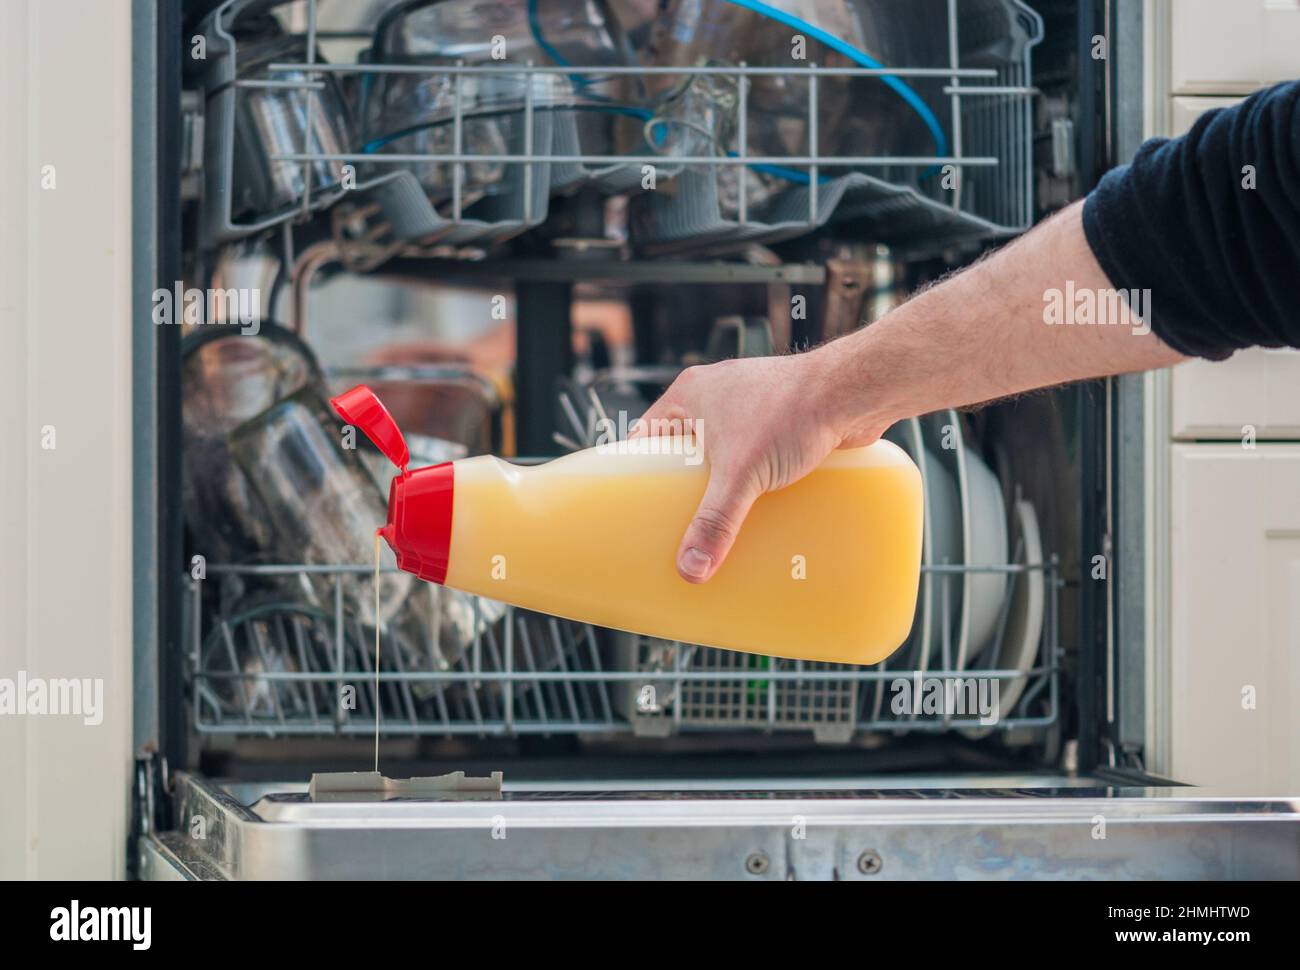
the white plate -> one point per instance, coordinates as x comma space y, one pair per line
943, 442
1025, 622
943, 506
907, 435
1024, 627
986, 537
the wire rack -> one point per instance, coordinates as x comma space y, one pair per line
980, 188
285, 666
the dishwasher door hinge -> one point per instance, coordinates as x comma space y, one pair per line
150, 795
1132, 757
148, 801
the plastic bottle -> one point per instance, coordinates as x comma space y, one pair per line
825, 569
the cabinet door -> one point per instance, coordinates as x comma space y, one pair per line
1233, 46
1187, 109
1235, 615
1255, 390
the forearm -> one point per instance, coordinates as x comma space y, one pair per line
982, 335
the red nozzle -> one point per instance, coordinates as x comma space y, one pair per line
419, 520
361, 408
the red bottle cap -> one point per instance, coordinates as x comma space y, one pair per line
419, 520
419, 502
361, 408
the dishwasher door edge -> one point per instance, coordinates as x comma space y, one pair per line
1082, 833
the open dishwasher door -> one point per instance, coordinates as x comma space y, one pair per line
973, 827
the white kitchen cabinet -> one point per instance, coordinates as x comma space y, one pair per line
1187, 109
1233, 46
1230, 640
1235, 618
1256, 390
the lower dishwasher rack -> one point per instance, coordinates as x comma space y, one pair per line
990, 827
283, 668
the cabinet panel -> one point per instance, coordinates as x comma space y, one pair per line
1233, 46
1187, 109
1235, 615
1255, 388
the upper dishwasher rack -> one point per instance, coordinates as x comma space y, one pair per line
979, 187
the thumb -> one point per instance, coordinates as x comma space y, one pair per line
727, 500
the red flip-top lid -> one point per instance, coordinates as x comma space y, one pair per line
419, 502
420, 509
362, 409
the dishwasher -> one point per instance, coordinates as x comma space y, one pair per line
518, 220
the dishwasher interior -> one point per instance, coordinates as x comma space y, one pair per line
519, 220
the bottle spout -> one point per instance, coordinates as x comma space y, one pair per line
418, 529
361, 408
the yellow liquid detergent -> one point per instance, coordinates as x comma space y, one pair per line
826, 569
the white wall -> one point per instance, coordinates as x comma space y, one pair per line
65, 539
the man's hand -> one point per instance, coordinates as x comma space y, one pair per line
981, 335
763, 422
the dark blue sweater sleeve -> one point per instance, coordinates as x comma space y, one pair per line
1209, 223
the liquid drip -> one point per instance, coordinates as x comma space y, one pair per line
377, 555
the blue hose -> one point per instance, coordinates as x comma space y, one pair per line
535, 25
862, 59
858, 57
